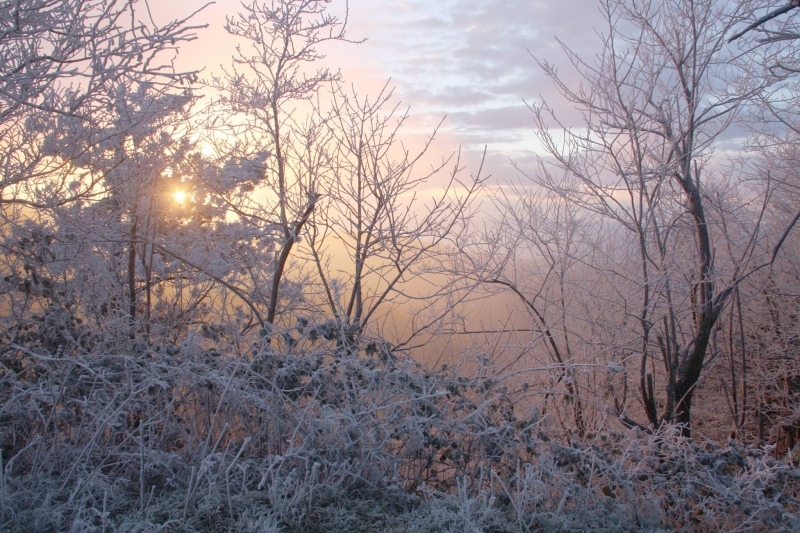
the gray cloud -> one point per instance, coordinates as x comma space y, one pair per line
456, 96
501, 118
472, 59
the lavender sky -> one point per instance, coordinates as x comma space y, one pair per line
471, 61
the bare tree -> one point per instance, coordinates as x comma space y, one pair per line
399, 246
762, 384
533, 253
660, 92
266, 84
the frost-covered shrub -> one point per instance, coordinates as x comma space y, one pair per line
320, 436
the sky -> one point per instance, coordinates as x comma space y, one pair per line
470, 62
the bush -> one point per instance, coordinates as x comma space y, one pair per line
327, 438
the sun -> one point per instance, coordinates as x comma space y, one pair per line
180, 196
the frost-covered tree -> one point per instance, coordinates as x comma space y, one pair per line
87, 88
761, 386
272, 77
662, 89
63, 63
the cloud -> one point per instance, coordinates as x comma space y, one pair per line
455, 96
501, 118
472, 59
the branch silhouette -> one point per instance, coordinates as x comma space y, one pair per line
766, 18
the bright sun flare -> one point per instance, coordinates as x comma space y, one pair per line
180, 196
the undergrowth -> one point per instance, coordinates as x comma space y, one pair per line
328, 438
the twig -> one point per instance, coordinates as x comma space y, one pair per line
227, 475
188, 494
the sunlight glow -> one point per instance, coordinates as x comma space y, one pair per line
180, 196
